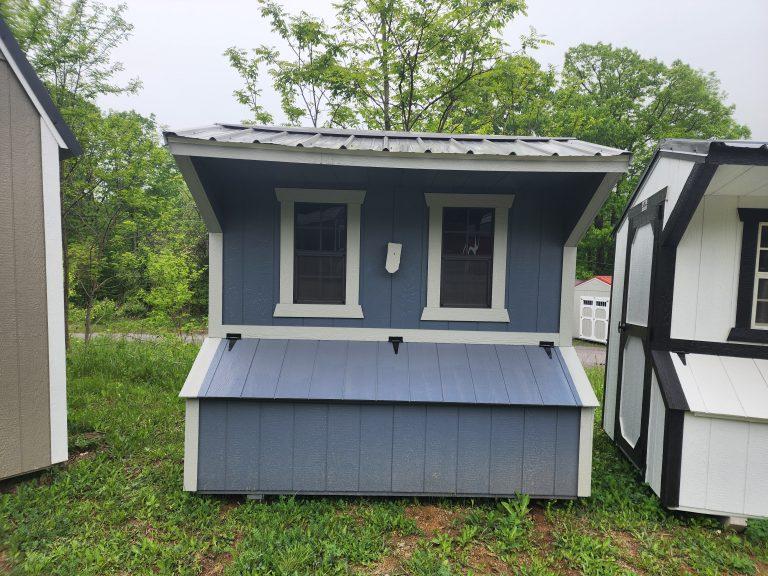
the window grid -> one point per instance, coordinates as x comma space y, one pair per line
760, 296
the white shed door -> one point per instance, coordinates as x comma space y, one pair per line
593, 317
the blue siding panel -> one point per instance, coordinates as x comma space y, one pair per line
251, 446
242, 449
376, 231
410, 221
409, 427
523, 263
539, 441
441, 447
309, 449
344, 429
474, 451
376, 441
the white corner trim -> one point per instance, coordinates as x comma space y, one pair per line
191, 439
320, 195
586, 427
182, 146
353, 199
567, 289
579, 377
590, 212
215, 280
54, 279
466, 314
188, 172
501, 204
30, 93
382, 334
318, 311
200, 368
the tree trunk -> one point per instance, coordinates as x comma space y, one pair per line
88, 311
385, 69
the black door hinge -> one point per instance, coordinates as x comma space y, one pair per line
547, 345
231, 339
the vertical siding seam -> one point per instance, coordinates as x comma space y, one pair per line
746, 468
456, 455
327, 436
226, 442
392, 452
709, 454
391, 276
490, 448
522, 452
259, 443
293, 445
359, 443
424, 460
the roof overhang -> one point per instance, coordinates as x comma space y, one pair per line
37, 93
180, 146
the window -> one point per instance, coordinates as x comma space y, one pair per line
467, 257
752, 298
319, 253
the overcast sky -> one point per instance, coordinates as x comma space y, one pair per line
177, 47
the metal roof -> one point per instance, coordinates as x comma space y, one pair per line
486, 374
703, 147
398, 142
39, 91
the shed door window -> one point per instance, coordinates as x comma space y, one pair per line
467, 258
320, 245
760, 297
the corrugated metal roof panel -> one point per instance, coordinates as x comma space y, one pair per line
371, 371
398, 142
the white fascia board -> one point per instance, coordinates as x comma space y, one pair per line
594, 206
586, 431
215, 280
191, 441
54, 278
199, 368
579, 377
28, 89
290, 310
196, 189
382, 334
466, 314
470, 162
567, 290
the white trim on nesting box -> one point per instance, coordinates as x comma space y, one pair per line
215, 282
501, 204
351, 307
54, 277
191, 440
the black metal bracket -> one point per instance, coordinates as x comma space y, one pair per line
232, 339
396, 341
681, 355
547, 345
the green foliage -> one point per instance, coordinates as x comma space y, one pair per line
171, 275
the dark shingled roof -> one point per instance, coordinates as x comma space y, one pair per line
40, 92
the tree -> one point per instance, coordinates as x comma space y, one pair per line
388, 64
615, 97
71, 46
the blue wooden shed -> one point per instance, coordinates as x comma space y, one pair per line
390, 313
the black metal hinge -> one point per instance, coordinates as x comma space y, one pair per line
547, 345
232, 338
396, 341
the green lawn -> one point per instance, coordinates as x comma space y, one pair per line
118, 507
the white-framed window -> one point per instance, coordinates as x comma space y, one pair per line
467, 257
319, 253
760, 293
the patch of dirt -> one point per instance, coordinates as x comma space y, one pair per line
542, 529
630, 550
431, 519
483, 561
86, 445
761, 568
215, 564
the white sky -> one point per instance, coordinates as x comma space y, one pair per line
177, 47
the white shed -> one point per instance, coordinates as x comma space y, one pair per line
591, 302
686, 395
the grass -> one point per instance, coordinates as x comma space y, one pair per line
118, 508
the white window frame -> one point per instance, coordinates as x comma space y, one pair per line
286, 307
501, 203
758, 276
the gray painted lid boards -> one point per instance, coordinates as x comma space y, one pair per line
398, 142
480, 374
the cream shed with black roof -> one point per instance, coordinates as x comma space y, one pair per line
373, 326
686, 392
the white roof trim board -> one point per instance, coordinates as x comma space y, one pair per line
724, 386
391, 145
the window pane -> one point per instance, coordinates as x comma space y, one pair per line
764, 236
761, 312
466, 283
320, 253
762, 289
763, 264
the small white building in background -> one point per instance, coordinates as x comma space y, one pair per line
591, 302
686, 392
